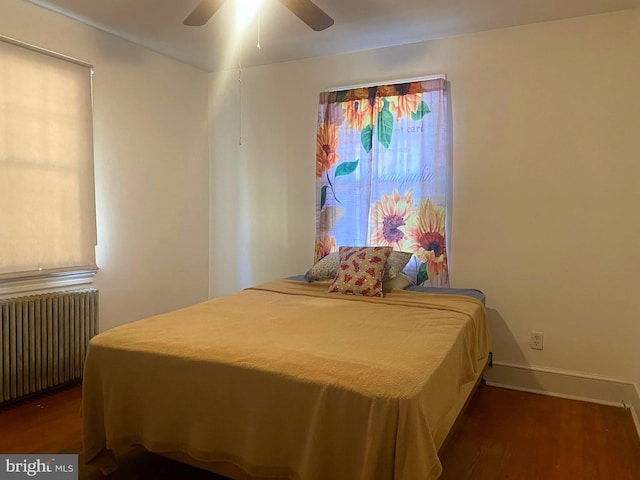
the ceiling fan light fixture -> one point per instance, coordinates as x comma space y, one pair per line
246, 11
305, 10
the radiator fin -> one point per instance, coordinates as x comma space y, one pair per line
44, 339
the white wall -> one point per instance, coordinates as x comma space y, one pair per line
151, 165
546, 175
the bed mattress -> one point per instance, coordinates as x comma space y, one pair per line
287, 381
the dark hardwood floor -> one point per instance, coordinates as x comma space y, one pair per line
507, 434
504, 434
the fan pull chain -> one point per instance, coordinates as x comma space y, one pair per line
259, 23
240, 88
239, 104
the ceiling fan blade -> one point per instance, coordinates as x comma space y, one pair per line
202, 13
309, 13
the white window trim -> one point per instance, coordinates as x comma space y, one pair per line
53, 281
51, 53
44, 284
388, 82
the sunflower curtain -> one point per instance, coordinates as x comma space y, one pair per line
382, 173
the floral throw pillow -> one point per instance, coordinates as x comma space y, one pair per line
360, 271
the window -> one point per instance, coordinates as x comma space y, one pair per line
47, 205
382, 173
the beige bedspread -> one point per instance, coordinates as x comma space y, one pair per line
285, 380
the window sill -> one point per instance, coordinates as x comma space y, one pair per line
44, 284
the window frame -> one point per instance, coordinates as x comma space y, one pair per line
55, 278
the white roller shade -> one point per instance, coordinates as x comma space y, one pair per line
47, 201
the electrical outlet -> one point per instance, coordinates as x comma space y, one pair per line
537, 340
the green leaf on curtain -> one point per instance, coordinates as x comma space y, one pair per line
341, 96
423, 109
323, 196
385, 125
345, 168
367, 138
423, 276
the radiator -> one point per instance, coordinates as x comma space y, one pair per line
44, 339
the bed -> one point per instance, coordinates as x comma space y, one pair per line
284, 380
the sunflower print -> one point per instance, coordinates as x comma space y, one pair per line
387, 216
426, 238
326, 146
407, 100
325, 245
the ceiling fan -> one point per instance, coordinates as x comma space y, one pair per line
305, 10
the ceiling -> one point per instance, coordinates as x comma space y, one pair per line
359, 25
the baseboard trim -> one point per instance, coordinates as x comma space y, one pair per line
567, 384
635, 408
